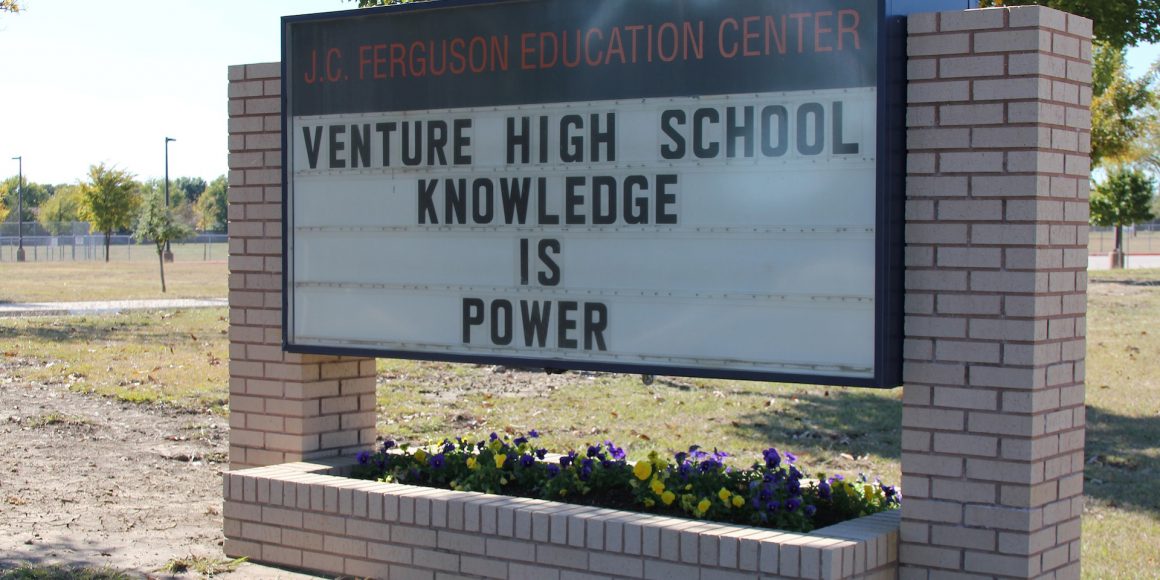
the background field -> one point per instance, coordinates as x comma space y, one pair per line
179, 359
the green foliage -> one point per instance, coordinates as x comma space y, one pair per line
218, 189
110, 200
1118, 23
64, 207
1124, 198
696, 484
156, 223
34, 195
190, 188
9, 6
1121, 106
207, 214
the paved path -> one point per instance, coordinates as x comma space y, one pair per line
104, 307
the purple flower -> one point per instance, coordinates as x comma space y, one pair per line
792, 504
811, 510
719, 455
363, 457
436, 461
448, 447
617, 452
772, 458
567, 460
493, 436
519, 441
388, 444
533, 434
681, 456
586, 468
553, 470
824, 490
790, 457
793, 486
527, 460
773, 506
540, 453
593, 451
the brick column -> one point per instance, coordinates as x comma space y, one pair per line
997, 231
283, 407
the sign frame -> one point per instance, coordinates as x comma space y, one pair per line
889, 221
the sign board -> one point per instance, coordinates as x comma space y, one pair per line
687, 187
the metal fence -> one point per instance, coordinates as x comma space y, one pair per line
1139, 239
74, 241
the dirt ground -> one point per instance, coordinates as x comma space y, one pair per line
85, 480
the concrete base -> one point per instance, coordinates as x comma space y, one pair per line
1116, 259
20, 254
167, 255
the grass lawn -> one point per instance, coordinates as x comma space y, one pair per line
179, 358
86, 280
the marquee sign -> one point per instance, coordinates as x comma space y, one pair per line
689, 187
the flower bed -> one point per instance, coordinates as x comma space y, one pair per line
310, 515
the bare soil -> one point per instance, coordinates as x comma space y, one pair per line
86, 480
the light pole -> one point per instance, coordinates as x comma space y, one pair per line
168, 255
20, 208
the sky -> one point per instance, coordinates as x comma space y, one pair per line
85, 82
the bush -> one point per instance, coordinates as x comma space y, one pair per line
772, 493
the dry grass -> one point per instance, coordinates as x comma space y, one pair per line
77, 281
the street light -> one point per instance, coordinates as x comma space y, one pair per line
168, 255
20, 209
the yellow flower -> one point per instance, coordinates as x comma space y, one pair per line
648, 502
668, 497
657, 486
421, 456
738, 501
724, 495
868, 491
642, 470
472, 463
703, 506
499, 459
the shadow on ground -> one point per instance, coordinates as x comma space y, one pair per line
1123, 460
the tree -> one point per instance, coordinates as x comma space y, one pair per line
1118, 23
1123, 199
156, 223
373, 3
219, 189
110, 200
34, 195
190, 188
206, 213
1122, 108
9, 6
59, 211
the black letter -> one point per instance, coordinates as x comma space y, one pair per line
501, 311
412, 152
462, 142
573, 199
664, 199
552, 278
677, 150
386, 129
427, 201
312, 150
336, 146
733, 131
767, 115
700, 116
564, 325
360, 146
455, 201
436, 141
484, 210
641, 215
515, 193
607, 137
819, 114
536, 321
595, 323
601, 185
576, 153
524, 141
841, 147
472, 316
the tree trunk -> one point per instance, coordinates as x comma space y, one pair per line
1118, 252
108, 237
161, 263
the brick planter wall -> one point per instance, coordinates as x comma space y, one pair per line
306, 515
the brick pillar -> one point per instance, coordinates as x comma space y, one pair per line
283, 407
996, 292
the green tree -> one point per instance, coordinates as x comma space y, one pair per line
9, 6
110, 200
59, 211
206, 212
219, 189
1118, 23
190, 188
34, 195
1122, 107
156, 223
1122, 199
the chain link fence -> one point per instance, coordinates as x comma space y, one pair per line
74, 242
1140, 239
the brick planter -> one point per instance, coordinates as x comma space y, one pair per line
307, 515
